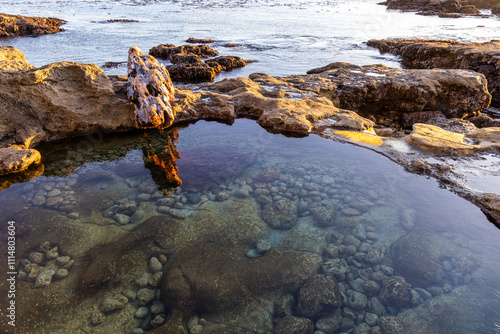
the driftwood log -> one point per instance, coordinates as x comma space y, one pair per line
150, 89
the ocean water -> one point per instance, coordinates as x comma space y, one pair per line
224, 224
283, 37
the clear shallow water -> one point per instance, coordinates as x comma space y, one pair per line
112, 202
284, 37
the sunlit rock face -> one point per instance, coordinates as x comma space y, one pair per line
17, 25
56, 101
150, 89
427, 53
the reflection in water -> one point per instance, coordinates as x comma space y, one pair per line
262, 227
160, 160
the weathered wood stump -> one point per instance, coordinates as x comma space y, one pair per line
150, 89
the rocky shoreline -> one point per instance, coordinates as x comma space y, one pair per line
445, 8
17, 25
369, 105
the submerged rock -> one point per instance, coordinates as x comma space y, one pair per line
319, 293
281, 214
395, 291
151, 90
417, 259
17, 25
294, 325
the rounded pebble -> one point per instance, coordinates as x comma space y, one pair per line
154, 265
141, 312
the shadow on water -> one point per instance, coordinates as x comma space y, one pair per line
227, 223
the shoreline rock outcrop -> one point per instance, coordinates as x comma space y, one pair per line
17, 25
444, 8
58, 101
150, 89
188, 66
448, 54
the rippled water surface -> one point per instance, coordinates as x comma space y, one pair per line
284, 37
244, 217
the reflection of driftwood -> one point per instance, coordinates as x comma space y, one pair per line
151, 90
161, 162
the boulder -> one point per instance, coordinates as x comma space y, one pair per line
57, 101
490, 204
294, 325
387, 93
11, 59
281, 214
319, 293
433, 138
150, 89
395, 291
444, 8
15, 160
416, 258
17, 25
483, 58
188, 65
214, 279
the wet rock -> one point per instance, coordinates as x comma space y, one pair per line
145, 296
121, 219
375, 306
371, 318
336, 267
395, 291
61, 273
375, 255
359, 232
422, 53
294, 325
270, 174
371, 287
44, 279
159, 320
414, 256
317, 294
391, 325
141, 312
109, 304
16, 160
324, 217
157, 307
155, 279
96, 317
329, 324
36, 257
17, 25
151, 90
154, 265
347, 324
357, 300
281, 214
263, 246
362, 328
278, 270
33, 271
52, 253
284, 306
408, 215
